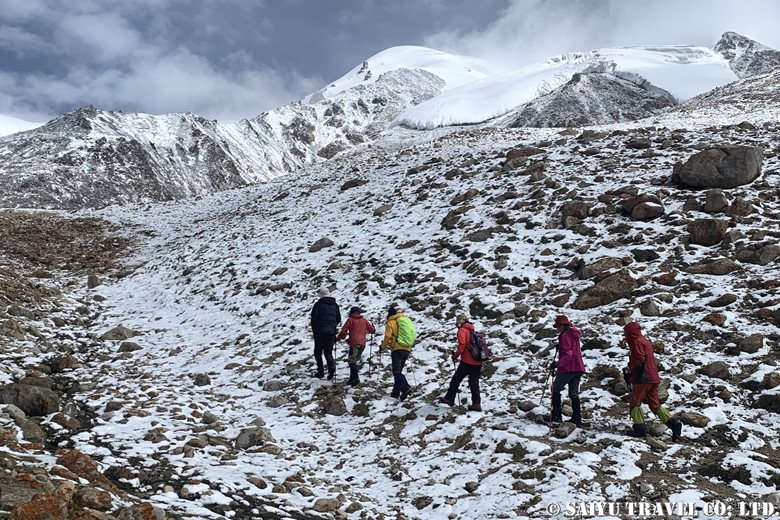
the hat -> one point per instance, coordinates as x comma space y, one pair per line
393, 309
323, 292
461, 319
561, 320
355, 309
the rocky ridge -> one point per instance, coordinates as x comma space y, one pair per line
745, 56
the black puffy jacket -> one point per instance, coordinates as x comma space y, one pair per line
325, 316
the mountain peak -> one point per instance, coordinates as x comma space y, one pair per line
746, 57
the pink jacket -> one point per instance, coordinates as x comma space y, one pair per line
357, 326
569, 351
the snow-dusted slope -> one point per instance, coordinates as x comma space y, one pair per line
11, 125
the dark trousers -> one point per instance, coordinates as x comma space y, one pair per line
572, 380
463, 370
323, 344
398, 359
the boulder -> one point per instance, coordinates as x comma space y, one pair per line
335, 406
93, 281
716, 369
320, 244
202, 380
254, 436
119, 333
715, 201
760, 254
575, 208
32, 400
326, 505
768, 402
610, 289
707, 231
722, 167
353, 183
718, 267
696, 420
599, 266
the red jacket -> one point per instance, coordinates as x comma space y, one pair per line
357, 326
641, 362
464, 345
569, 351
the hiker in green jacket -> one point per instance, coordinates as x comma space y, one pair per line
399, 340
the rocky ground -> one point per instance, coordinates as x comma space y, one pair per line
181, 376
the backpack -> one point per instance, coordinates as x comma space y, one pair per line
479, 347
407, 334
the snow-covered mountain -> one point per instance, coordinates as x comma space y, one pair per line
92, 158
747, 57
11, 125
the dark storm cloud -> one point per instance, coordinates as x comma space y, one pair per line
235, 58
227, 59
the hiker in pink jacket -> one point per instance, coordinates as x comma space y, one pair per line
357, 327
569, 369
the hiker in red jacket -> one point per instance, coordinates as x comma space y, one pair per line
468, 366
569, 369
642, 375
357, 327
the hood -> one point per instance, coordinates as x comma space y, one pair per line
396, 316
632, 330
328, 299
468, 326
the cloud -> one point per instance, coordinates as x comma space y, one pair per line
531, 30
123, 55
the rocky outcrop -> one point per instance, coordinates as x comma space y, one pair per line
722, 167
594, 98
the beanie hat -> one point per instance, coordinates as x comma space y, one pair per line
561, 321
355, 309
323, 292
392, 310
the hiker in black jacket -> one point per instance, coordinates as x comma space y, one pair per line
325, 319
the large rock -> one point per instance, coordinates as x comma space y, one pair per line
716, 369
718, 267
320, 244
721, 167
254, 436
643, 207
707, 231
599, 266
610, 289
119, 333
696, 420
769, 402
32, 400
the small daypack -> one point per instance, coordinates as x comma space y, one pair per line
479, 347
407, 334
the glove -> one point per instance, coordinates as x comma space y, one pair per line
553, 366
627, 377
454, 357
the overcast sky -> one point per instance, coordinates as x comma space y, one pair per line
230, 59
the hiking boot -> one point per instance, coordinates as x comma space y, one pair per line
444, 400
395, 394
637, 430
331, 375
676, 427
319, 375
405, 393
475, 407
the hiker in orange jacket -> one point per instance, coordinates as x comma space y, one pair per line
398, 353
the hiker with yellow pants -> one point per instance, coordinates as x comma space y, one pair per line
642, 375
